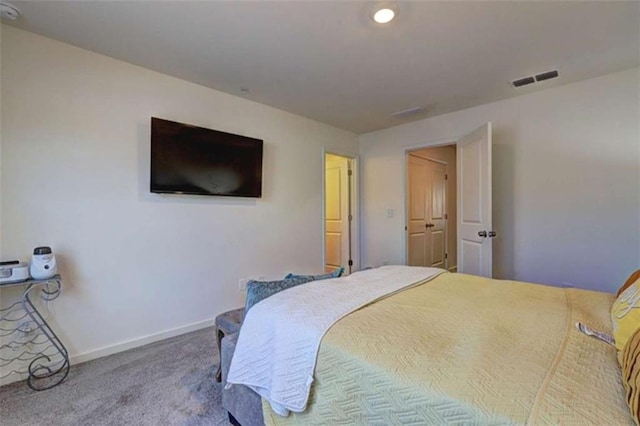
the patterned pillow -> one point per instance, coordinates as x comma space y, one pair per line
335, 274
630, 363
260, 290
625, 314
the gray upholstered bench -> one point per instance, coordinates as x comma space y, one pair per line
227, 323
243, 405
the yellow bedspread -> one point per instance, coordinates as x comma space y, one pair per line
465, 349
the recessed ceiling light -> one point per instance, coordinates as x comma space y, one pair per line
383, 14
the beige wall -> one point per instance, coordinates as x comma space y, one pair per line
75, 176
566, 182
448, 155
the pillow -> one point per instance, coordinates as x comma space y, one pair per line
335, 274
630, 363
625, 314
633, 278
260, 290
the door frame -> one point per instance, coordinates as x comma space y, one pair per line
355, 206
405, 182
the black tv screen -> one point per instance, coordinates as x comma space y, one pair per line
187, 159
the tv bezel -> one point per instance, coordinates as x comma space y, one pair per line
259, 143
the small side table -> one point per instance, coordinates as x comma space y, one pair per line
39, 345
227, 323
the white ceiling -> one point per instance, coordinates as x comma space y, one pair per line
328, 61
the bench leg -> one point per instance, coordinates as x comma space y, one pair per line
219, 336
233, 420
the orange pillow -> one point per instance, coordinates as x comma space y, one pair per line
633, 278
630, 363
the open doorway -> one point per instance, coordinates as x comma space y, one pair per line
340, 213
463, 203
431, 207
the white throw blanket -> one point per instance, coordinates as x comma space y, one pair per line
280, 337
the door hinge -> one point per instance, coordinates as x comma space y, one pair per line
350, 218
446, 255
405, 228
446, 176
446, 216
349, 172
350, 262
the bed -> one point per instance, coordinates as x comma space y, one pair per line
455, 348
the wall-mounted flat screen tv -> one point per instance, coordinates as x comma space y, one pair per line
187, 159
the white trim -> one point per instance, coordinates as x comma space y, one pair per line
453, 269
140, 341
434, 143
355, 208
12, 378
121, 347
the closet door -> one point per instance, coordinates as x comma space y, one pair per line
426, 227
418, 235
436, 210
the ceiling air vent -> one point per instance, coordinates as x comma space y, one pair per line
408, 112
523, 81
546, 75
537, 78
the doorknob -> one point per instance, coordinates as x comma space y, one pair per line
482, 234
429, 225
492, 234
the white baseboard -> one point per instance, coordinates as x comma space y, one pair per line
123, 346
140, 341
13, 378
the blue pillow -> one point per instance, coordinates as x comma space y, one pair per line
260, 290
335, 274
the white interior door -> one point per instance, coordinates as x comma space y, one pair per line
337, 235
475, 232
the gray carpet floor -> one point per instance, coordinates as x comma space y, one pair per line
171, 382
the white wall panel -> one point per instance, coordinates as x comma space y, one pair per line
566, 182
75, 176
